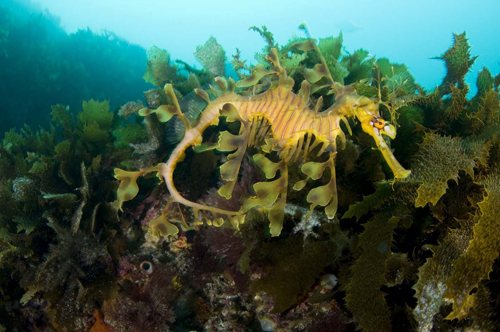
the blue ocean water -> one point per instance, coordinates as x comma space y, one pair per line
408, 32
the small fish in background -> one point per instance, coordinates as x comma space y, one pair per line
347, 26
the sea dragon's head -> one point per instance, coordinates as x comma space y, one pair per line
366, 111
348, 103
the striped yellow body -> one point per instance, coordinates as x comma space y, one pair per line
294, 130
289, 116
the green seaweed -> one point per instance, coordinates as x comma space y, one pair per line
159, 70
96, 120
212, 56
439, 160
363, 295
69, 230
484, 82
266, 35
290, 269
483, 249
96, 111
370, 202
432, 276
458, 62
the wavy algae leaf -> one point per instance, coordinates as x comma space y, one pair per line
363, 295
370, 202
159, 71
212, 56
439, 159
128, 187
483, 249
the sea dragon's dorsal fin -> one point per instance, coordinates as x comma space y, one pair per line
305, 93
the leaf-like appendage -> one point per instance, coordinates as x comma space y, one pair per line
266, 194
271, 195
257, 74
230, 169
268, 167
316, 73
163, 112
128, 187
161, 227
304, 45
313, 170
483, 249
228, 142
363, 295
325, 195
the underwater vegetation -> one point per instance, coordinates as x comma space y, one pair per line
317, 190
43, 65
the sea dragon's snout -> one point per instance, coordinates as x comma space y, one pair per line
375, 126
366, 110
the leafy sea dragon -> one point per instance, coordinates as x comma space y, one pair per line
281, 123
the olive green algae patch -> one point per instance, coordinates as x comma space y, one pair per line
363, 295
458, 61
96, 120
212, 56
439, 159
370, 202
159, 70
290, 268
432, 276
482, 251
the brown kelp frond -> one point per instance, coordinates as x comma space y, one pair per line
432, 276
439, 160
477, 261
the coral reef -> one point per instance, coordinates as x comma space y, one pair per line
232, 246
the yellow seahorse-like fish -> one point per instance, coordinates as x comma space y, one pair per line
286, 125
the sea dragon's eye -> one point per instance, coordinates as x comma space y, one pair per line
378, 123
